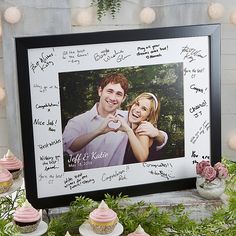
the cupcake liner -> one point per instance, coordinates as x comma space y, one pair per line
16, 174
27, 228
103, 229
5, 186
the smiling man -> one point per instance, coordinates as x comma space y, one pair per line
91, 139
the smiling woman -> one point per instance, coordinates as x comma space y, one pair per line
145, 107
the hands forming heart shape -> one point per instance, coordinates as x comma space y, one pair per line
114, 124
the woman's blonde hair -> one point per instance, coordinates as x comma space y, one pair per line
155, 106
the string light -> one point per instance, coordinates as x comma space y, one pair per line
233, 17
0, 29
216, 11
85, 17
2, 94
232, 142
12, 15
147, 15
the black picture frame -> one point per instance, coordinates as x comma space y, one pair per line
39, 55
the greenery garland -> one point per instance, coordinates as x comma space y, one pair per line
174, 221
104, 6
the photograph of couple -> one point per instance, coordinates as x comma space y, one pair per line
118, 119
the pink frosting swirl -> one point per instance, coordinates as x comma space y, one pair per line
5, 175
26, 213
103, 213
10, 162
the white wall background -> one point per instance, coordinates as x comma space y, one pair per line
57, 16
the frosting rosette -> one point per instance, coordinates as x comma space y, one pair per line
103, 219
139, 232
26, 213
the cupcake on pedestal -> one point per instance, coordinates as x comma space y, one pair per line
12, 163
6, 180
103, 220
26, 218
139, 232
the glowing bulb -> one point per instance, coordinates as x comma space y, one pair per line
233, 17
147, 15
2, 94
85, 17
232, 142
12, 15
216, 11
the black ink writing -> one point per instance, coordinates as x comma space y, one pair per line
159, 165
194, 155
197, 114
162, 174
151, 51
50, 162
44, 88
107, 55
43, 62
196, 89
118, 175
74, 56
194, 108
201, 131
78, 180
38, 122
193, 72
197, 109
47, 105
49, 144
191, 54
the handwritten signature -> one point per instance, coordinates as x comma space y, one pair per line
201, 131
43, 62
106, 55
191, 54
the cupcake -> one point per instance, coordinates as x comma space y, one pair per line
103, 219
26, 218
139, 232
6, 180
12, 163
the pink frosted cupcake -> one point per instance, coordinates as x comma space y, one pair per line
5, 180
26, 218
139, 232
12, 163
103, 219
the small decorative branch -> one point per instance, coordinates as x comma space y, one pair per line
104, 6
